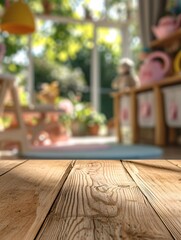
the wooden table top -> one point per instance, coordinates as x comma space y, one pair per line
91, 199
33, 109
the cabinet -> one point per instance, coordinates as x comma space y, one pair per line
155, 109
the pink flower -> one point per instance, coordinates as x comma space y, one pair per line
67, 106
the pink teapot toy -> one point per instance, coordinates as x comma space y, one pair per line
154, 68
166, 25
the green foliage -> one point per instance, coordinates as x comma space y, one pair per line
65, 119
96, 118
85, 114
81, 112
23, 97
69, 79
5, 121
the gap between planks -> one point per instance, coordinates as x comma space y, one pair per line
175, 162
160, 182
8, 165
27, 194
99, 200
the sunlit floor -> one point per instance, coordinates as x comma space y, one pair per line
73, 141
173, 152
90, 199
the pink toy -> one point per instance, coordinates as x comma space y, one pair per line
166, 25
154, 68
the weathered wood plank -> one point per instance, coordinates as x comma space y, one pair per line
86, 228
160, 181
27, 193
176, 162
99, 200
8, 165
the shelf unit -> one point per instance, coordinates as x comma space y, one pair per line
160, 133
175, 36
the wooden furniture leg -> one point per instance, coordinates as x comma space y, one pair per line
18, 134
117, 118
134, 121
160, 128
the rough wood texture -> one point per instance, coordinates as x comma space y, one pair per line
27, 193
8, 165
160, 181
100, 201
176, 162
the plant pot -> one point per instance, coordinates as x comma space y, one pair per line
93, 130
78, 129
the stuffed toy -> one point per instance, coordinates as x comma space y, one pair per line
49, 93
126, 75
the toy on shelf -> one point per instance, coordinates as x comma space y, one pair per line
49, 93
155, 67
167, 25
126, 76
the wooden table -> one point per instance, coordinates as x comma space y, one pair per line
41, 113
92, 199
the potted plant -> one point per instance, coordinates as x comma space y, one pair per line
94, 121
79, 119
65, 121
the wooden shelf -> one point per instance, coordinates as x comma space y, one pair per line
166, 41
36, 109
172, 80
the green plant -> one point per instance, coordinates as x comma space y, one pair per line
65, 119
81, 112
96, 118
5, 121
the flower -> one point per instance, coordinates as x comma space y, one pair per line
67, 106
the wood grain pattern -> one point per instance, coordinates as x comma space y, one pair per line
160, 181
27, 193
85, 228
176, 162
8, 165
99, 200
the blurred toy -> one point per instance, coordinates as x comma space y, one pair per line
155, 67
166, 25
49, 93
126, 75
